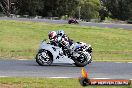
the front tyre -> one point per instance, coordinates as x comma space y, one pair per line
83, 60
44, 57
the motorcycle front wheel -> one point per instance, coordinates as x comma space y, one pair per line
44, 57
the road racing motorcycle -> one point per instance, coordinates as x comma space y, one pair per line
48, 53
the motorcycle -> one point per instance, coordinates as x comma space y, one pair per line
72, 21
48, 53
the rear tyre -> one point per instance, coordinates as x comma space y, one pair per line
44, 57
82, 60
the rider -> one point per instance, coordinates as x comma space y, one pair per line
60, 39
53, 38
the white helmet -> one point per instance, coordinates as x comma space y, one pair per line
60, 32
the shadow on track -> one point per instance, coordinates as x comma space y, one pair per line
58, 65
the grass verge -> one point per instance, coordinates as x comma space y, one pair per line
21, 40
47, 83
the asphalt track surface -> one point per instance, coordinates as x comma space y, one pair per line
29, 68
90, 24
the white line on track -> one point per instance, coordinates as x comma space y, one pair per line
23, 59
100, 78
78, 77
67, 77
3, 76
105, 78
118, 62
59, 77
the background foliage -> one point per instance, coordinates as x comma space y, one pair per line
84, 9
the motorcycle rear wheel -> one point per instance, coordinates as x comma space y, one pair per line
82, 60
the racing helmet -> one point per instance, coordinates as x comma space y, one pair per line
60, 32
52, 35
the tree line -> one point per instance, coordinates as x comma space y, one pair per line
81, 9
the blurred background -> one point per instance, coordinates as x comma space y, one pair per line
85, 10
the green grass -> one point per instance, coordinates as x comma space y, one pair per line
47, 83
20, 40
